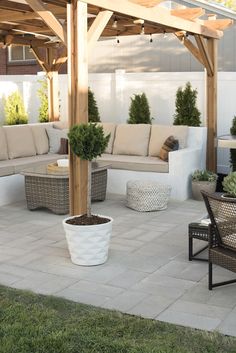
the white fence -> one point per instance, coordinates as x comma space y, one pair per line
113, 92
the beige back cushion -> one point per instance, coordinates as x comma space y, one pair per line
3, 146
132, 139
20, 141
159, 133
109, 128
40, 139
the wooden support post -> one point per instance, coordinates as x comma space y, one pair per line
53, 96
53, 87
211, 92
78, 98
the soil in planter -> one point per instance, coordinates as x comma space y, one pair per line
84, 220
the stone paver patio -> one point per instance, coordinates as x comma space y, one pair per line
147, 274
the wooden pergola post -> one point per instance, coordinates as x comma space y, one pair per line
53, 88
78, 98
211, 96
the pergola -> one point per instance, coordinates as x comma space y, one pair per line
58, 31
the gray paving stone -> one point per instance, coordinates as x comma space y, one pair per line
124, 301
100, 289
127, 278
151, 306
228, 326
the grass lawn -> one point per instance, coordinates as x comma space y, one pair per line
31, 323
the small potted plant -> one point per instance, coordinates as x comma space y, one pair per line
203, 180
88, 235
229, 185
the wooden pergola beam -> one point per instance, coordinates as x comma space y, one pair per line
190, 46
158, 16
50, 20
97, 27
203, 49
188, 14
41, 59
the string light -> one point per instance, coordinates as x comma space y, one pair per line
117, 38
151, 40
142, 30
114, 25
164, 34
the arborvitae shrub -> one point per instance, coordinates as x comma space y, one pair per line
186, 112
139, 111
14, 110
42, 93
93, 113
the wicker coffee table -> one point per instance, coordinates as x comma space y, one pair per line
47, 189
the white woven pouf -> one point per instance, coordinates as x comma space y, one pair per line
147, 195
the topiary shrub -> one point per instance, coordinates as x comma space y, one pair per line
42, 93
87, 141
14, 110
139, 111
93, 113
233, 150
186, 112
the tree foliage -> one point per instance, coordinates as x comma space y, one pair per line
42, 93
186, 112
87, 141
14, 109
139, 111
93, 113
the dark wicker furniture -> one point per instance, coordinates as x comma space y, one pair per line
45, 189
222, 234
197, 230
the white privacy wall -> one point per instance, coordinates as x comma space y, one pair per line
113, 92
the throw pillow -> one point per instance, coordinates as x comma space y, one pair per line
64, 146
54, 137
170, 144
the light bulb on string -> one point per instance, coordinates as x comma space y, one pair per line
142, 30
164, 34
151, 39
114, 25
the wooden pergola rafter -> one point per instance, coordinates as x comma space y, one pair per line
60, 30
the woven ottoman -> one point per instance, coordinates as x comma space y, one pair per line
147, 195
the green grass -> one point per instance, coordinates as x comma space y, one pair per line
31, 323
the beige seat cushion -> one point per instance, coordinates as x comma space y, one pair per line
109, 128
20, 141
3, 146
137, 163
132, 139
40, 139
159, 133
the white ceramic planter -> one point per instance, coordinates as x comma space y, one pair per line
88, 245
197, 186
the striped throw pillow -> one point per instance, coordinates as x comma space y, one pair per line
170, 144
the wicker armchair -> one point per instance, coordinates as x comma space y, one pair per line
222, 234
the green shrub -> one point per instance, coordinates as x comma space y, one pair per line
186, 112
14, 110
233, 150
139, 111
229, 184
42, 93
93, 113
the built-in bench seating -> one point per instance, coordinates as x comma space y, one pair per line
134, 153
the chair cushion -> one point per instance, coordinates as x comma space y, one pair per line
132, 139
170, 144
40, 139
54, 136
3, 146
109, 128
159, 133
20, 141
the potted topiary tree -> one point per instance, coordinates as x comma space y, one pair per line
186, 111
139, 111
203, 180
14, 110
93, 113
229, 185
88, 235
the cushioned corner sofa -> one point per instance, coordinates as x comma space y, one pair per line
22, 146
133, 153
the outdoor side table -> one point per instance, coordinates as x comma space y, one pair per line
197, 230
